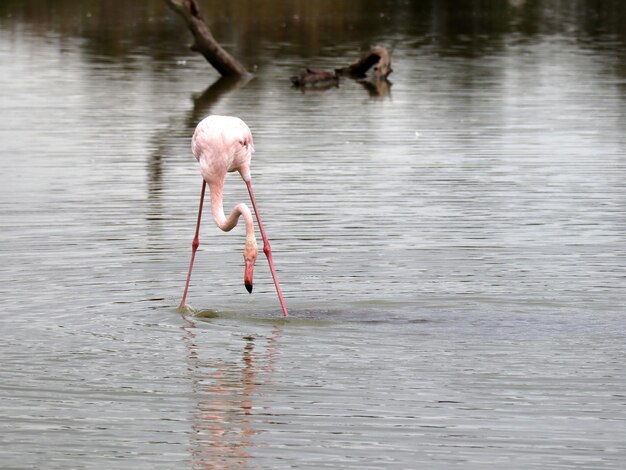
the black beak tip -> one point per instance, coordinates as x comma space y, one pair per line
249, 288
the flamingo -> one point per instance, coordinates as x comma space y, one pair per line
223, 144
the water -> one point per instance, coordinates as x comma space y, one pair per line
451, 249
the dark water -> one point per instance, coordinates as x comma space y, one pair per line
450, 245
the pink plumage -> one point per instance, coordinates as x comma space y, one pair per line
222, 144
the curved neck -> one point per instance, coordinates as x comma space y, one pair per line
217, 208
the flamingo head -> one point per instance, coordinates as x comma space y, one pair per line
249, 255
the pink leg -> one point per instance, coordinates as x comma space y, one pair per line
267, 249
194, 247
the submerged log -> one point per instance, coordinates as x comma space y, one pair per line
204, 42
378, 57
311, 77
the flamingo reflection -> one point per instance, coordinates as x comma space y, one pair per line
224, 391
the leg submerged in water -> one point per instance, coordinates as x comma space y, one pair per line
194, 248
267, 250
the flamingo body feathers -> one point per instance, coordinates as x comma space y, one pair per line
222, 144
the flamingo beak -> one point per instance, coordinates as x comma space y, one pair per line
247, 275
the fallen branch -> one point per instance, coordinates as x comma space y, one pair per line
204, 42
378, 58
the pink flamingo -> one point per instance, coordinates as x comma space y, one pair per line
223, 144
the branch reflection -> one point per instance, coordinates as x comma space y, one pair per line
377, 89
203, 102
161, 141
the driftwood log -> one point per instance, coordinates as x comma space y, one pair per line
204, 42
378, 58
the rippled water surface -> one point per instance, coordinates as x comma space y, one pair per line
450, 244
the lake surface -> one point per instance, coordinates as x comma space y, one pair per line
450, 245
